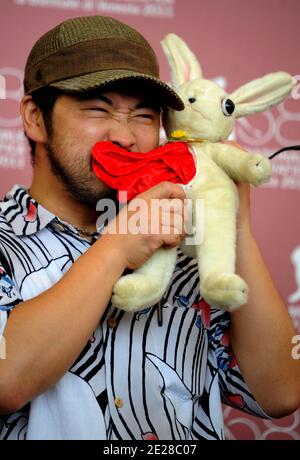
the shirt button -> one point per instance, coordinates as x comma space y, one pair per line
118, 403
112, 323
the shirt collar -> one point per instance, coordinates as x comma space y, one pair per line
23, 213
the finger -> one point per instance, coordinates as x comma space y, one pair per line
170, 240
175, 222
170, 213
169, 205
172, 223
164, 190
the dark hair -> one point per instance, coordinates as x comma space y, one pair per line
45, 99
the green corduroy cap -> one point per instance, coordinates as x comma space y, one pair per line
90, 52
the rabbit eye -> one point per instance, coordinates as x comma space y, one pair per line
227, 107
192, 100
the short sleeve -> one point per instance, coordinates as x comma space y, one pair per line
233, 388
9, 295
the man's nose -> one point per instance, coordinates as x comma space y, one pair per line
121, 134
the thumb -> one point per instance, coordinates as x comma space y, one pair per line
164, 190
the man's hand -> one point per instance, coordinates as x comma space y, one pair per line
152, 219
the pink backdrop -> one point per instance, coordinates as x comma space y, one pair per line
236, 42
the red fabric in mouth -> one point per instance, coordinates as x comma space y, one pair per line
135, 172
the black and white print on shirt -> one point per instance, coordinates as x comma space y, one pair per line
135, 378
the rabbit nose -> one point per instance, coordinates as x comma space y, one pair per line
228, 107
192, 100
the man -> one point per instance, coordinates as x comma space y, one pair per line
75, 367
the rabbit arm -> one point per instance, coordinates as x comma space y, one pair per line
261, 331
240, 165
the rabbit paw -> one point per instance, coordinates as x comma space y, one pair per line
226, 291
259, 169
135, 291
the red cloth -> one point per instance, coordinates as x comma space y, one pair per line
135, 172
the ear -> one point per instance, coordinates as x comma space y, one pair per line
183, 64
33, 120
262, 93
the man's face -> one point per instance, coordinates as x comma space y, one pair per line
130, 121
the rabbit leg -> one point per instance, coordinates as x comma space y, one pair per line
146, 285
219, 285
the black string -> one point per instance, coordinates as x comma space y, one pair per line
292, 147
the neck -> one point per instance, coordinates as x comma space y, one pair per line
48, 191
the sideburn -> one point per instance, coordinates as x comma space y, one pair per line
75, 187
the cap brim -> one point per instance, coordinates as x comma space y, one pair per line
103, 78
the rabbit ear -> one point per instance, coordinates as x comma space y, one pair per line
183, 64
257, 95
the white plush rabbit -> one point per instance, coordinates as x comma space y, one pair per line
208, 119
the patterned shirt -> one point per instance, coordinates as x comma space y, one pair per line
136, 378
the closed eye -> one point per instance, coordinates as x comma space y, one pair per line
97, 109
145, 115
97, 112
